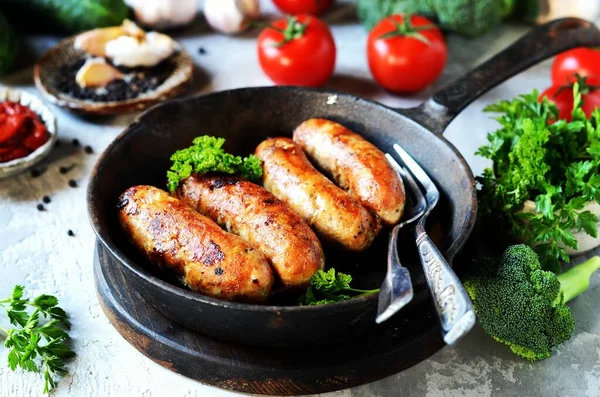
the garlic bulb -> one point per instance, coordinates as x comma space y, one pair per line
95, 72
131, 52
230, 16
164, 14
94, 41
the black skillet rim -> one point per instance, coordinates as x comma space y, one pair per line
106, 239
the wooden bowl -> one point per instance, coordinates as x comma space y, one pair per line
19, 165
48, 67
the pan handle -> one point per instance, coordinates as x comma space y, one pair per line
538, 44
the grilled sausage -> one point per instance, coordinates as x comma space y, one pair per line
354, 164
253, 213
209, 260
333, 213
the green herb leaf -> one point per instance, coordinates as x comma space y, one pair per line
330, 287
39, 340
587, 222
207, 155
45, 302
538, 157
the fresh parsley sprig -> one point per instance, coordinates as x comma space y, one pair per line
41, 333
207, 155
330, 287
554, 163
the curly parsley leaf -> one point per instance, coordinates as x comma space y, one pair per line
330, 287
207, 155
552, 162
39, 336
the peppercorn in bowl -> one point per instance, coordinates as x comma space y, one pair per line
113, 70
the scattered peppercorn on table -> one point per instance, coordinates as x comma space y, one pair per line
46, 243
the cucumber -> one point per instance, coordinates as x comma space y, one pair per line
8, 45
68, 16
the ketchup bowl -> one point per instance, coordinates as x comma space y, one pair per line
30, 138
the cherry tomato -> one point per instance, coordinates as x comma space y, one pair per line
313, 7
562, 96
298, 50
582, 61
406, 56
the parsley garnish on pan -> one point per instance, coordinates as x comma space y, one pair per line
207, 155
330, 287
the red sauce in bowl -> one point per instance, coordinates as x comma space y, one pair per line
21, 131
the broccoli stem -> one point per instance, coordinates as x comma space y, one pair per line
576, 280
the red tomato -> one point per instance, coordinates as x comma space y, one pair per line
562, 96
297, 51
584, 61
406, 57
314, 7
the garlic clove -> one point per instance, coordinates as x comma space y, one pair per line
132, 30
94, 41
95, 72
128, 51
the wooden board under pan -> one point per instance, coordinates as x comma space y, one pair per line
390, 348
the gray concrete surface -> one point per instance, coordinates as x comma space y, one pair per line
36, 251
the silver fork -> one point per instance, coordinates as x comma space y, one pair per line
396, 290
452, 302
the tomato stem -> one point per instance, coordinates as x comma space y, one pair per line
294, 29
584, 87
406, 29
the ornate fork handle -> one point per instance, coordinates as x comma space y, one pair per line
451, 300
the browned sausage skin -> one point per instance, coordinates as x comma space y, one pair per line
333, 213
356, 165
209, 260
253, 213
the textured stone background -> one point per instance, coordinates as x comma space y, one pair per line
36, 251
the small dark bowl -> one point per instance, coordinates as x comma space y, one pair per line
245, 117
49, 67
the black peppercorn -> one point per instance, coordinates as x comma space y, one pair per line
46, 199
70, 233
88, 149
40, 207
75, 142
72, 183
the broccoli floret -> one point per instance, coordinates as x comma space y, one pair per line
523, 306
467, 17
